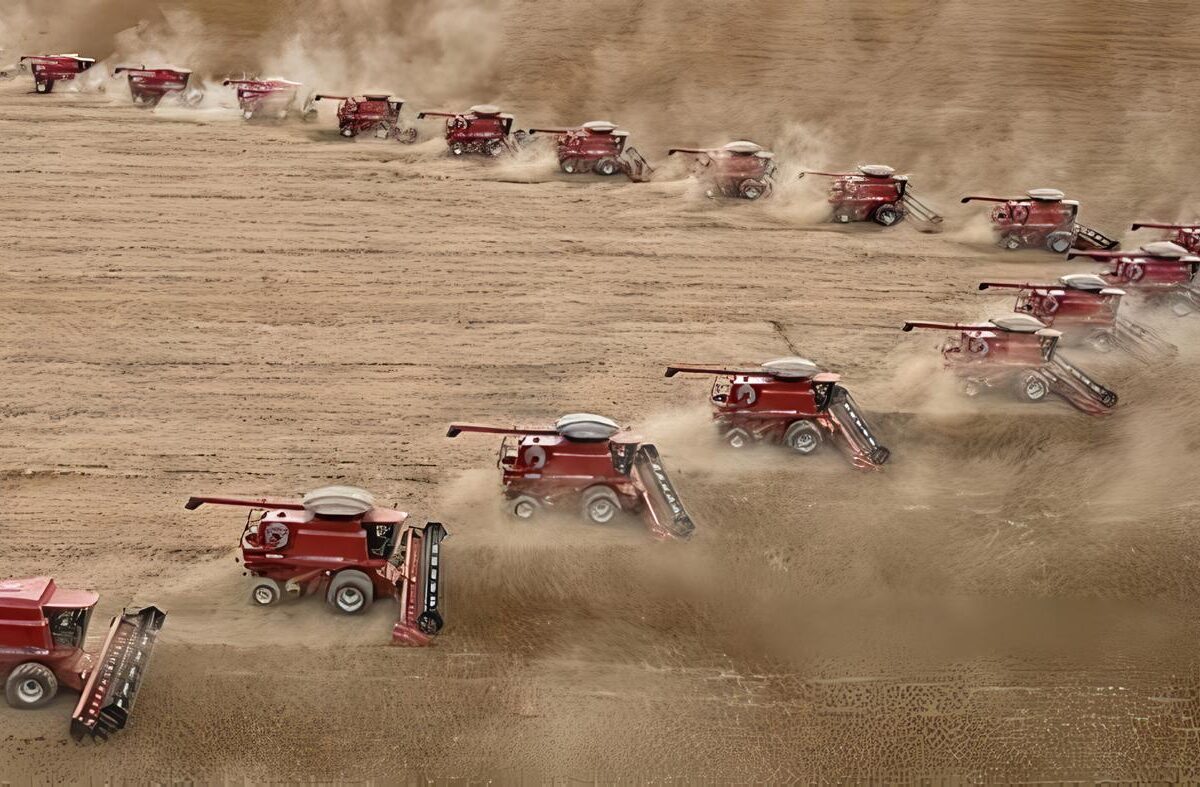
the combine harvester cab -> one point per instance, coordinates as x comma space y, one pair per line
587, 462
336, 540
377, 113
1018, 353
790, 402
43, 630
148, 86
264, 97
483, 129
1163, 271
738, 170
875, 193
1042, 219
597, 146
1185, 235
49, 69
1085, 308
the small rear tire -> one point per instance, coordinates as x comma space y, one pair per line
43, 87
494, 148
1011, 242
457, 149
569, 165
247, 114
803, 437
347, 132
265, 592
600, 504
30, 685
350, 592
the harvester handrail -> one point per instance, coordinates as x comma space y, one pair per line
946, 326
438, 114
195, 502
456, 429
1161, 226
702, 369
553, 130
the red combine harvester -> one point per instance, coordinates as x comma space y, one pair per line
481, 129
1041, 219
1018, 352
788, 401
597, 146
43, 629
740, 169
1163, 271
586, 461
337, 540
149, 85
1084, 307
371, 112
264, 96
875, 193
48, 69
1185, 235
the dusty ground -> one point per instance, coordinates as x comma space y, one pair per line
189, 303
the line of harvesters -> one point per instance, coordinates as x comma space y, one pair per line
335, 542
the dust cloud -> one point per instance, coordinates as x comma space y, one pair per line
264, 308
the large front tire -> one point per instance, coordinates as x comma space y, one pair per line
1032, 387
600, 505
350, 592
30, 685
803, 437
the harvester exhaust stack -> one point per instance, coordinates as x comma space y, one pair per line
108, 696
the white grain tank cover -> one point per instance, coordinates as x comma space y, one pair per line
339, 501
1165, 248
586, 426
1088, 282
743, 146
792, 367
484, 110
1045, 195
876, 170
1018, 323
600, 126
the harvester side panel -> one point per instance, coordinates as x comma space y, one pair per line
664, 511
108, 696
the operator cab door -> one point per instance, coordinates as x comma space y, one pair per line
68, 627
